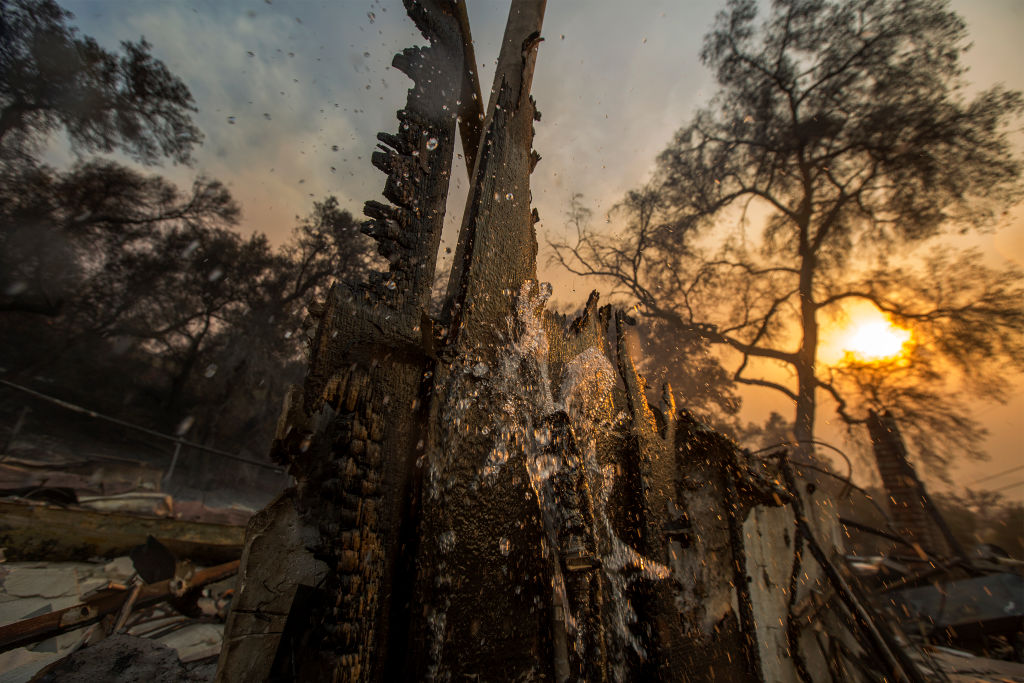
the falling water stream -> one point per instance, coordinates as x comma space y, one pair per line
520, 399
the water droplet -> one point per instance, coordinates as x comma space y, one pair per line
215, 274
16, 288
184, 425
447, 541
432, 144
210, 371
190, 249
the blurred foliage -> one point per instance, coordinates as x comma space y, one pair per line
53, 79
127, 293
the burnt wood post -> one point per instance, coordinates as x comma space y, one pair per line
490, 495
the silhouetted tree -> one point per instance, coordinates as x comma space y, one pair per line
108, 272
51, 78
844, 127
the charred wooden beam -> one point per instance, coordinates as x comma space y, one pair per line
471, 108
110, 601
497, 248
498, 458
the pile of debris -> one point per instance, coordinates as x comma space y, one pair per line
57, 506
147, 609
103, 576
963, 604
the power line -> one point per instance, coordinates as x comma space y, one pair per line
99, 416
997, 474
1009, 486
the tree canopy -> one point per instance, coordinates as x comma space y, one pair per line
102, 266
51, 78
845, 131
118, 283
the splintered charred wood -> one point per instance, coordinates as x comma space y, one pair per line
387, 226
714, 606
380, 212
653, 459
417, 160
636, 388
407, 61
496, 454
110, 601
266, 590
349, 438
744, 605
384, 160
395, 142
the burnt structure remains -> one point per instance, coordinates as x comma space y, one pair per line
488, 494
913, 513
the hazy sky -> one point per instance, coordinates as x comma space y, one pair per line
292, 94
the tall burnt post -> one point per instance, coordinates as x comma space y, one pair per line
351, 434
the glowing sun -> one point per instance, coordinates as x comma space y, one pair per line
876, 341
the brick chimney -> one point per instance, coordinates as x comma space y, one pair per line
913, 513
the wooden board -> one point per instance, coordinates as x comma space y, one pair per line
34, 531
